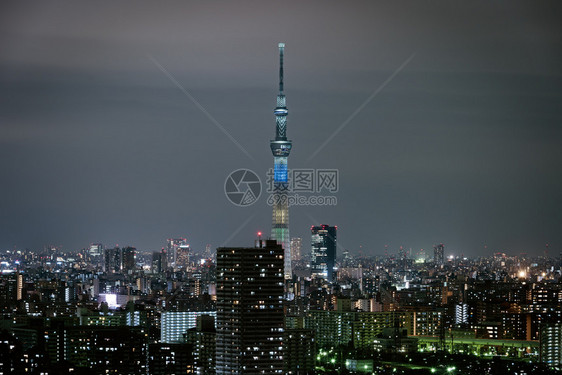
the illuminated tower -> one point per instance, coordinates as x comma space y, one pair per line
281, 147
438, 252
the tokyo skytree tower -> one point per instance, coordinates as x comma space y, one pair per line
281, 148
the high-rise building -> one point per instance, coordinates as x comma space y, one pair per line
112, 260
172, 245
281, 148
8, 290
250, 316
159, 261
296, 246
438, 251
203, 339
117, 260
323, 254
300, 351
128, 262
182, 257
19, 286
96, 250
551, 345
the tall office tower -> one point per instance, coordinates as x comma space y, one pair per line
95, 254
296, 246
159, 261
323, 255
182, 257
250, 316
438, 251
112, 260
172, 244
19, 286
281, 148
156, 262
96, 250
128, 263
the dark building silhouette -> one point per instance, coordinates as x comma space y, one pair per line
112, 260
300, 351
203, 339
119, 260
323, 255
170, 359
438, 251
128, 259
159, 261
250, 318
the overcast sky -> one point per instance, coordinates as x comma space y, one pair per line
460, 144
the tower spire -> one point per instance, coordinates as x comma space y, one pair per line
281, 108
281, 51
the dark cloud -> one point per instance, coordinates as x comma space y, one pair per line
462, 147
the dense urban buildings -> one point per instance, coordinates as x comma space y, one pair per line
118, 259
275, 308
56, 306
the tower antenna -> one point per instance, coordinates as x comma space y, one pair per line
281, 52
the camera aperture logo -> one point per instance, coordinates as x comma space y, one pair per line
242, 187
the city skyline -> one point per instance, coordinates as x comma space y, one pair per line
459, 146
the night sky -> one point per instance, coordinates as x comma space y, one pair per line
459, 143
